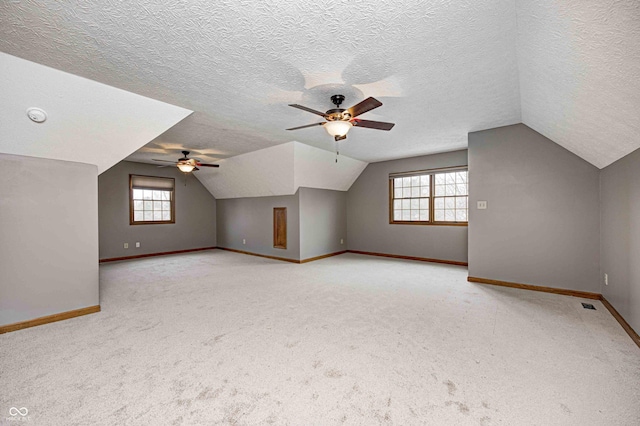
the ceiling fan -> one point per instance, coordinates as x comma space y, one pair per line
339, 120
186, 164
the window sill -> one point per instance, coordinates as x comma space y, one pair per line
430, 223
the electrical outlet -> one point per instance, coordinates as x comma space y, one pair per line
244, 241
341, 241
138, 244
606, 279
126, 245
482, 205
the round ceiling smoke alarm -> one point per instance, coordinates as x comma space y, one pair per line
37, 115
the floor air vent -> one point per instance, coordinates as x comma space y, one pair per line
588, 306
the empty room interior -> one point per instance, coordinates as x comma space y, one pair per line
320, 212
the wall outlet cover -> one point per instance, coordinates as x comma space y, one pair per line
482, 205
126, 245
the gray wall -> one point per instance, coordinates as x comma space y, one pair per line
252, 219
542, 222
195, 209
620, 236
323, 222
368, 227
48, 237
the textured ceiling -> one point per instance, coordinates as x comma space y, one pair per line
442, 68
579, 64
87, 122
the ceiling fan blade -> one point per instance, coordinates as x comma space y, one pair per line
164, 161
378, 125
364, 106
304, 108
308, 125
207, 165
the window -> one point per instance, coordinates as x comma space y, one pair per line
151, 200
436, 197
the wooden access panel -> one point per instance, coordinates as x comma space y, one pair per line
280, 227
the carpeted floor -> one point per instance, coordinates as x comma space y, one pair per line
222, 338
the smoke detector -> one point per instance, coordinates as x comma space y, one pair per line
37, 115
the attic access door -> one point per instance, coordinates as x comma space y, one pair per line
280, 227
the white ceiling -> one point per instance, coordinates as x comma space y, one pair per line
87, 122
280, 170
569, 69
579, 63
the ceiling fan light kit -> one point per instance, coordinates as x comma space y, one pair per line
186, 164
339, 120
338, 128
186, 167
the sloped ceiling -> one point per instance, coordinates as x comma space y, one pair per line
87, 122
280, 170
579, 63
442, 68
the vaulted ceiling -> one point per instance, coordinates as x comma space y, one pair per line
569, 69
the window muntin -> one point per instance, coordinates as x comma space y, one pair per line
429, 197
151, 200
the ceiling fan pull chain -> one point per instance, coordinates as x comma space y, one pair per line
337, 151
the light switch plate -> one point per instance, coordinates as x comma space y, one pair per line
482, 205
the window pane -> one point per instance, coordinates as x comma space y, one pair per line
157, 195
461, 202
397, 193
424, 203
415, 203
424, 180
137, 194
449, 215
424, 215
415, 215
415, 180
406, 204
461, 189
138, 205
166, 205
406, 215
157, 205
397, 183
148, 215
415, 191
461, 215
450, 190
148, 205
157, 215
138, 216
449, 203
406, 192
397, 204
147, 194
406, 181
439, 202
397, 215
166, 215
439, 215
166, 195
450, 178
439, 189
439, 179
461, 177
424, 191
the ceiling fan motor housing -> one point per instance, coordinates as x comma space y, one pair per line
337, 99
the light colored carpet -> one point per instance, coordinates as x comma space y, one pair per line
223, 338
